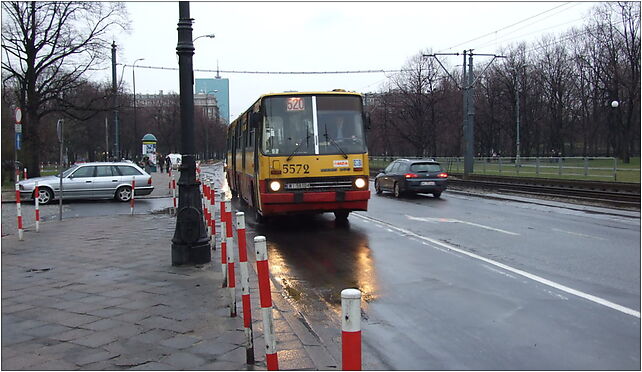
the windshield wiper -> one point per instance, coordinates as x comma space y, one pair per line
345, 156
307, 140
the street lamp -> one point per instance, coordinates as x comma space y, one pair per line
134, 83
207, 109
210, 36
190, 244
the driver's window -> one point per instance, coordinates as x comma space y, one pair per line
84, 172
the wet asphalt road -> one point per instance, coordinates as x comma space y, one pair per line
461, 282
465, 282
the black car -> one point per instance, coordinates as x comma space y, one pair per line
412, 176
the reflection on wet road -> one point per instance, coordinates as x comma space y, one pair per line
315, 258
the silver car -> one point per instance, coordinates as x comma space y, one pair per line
90, 181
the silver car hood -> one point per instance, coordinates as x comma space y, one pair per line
45, 179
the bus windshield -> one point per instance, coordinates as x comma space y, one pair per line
293, 128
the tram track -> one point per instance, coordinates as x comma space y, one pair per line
621, 195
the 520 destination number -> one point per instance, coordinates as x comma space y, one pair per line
296, 168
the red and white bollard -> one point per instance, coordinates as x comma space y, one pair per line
206, 207
245, 286
169, 184
265, 292
210, 207
174, 192
351, 329
223, 251
228, 218
19, 212
213, 218
231, 277
25, 173
36, 201
131, 200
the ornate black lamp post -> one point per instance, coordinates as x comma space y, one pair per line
190, 244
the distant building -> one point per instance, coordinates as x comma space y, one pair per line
208, 104
219, 88
156, 100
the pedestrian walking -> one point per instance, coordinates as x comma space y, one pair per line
148, 165
168, 163
161, 162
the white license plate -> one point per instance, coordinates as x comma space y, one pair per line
297, 185
428, 183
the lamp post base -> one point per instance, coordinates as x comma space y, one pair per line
183, 254
190, 244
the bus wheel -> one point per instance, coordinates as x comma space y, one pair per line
341, 215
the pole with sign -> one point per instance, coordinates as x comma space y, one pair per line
59, 125
18, 130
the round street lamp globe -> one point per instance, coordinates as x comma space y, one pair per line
615, 104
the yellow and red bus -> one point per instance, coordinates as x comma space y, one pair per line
300, 152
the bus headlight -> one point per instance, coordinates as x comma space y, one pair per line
275, 186
360, 183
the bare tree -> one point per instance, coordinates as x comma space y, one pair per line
417, 86
48, 50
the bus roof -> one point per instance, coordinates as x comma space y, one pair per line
294, 93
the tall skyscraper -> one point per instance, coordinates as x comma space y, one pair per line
219, 88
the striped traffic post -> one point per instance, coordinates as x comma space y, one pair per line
228, 218
131, 200
37, 206
222, 217
351, 329
19, 212
245, 286
223, 256
206, 206
213, 217
231, 277
212, 210
169, 184
25, 173
265, 292
174, 192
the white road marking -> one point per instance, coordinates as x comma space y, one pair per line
523, 273
434, 219
578, 234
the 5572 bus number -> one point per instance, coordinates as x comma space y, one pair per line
296, 168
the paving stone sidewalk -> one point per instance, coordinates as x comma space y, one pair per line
101, 294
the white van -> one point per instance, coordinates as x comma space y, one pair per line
175, 159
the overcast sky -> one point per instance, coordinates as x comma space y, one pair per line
334, 36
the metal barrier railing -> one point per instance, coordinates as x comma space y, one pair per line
549, 167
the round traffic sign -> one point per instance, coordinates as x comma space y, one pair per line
18, 114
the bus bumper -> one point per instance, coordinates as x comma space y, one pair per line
299, 202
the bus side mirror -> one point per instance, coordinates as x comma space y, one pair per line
367, 120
